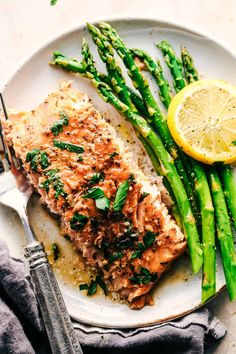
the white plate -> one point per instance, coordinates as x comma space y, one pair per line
178, 292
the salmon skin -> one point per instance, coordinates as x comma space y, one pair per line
114, 216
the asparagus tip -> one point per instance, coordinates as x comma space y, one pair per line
57, 54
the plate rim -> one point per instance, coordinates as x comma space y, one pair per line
175, 25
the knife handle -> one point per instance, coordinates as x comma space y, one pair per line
60, 331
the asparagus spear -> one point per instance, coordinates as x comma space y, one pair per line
115, 75
229, 186
174, 64
190, 71
226, 171
157, 72
224, 233
165, 160
156, 117
208, 232
135, 98
70, 63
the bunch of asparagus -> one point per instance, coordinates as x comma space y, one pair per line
204, 198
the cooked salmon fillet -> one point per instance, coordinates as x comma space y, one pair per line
114, 216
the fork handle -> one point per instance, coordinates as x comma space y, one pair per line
60, 331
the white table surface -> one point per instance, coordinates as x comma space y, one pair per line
25, 24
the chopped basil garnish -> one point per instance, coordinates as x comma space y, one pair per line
136, 254
131, 179
101, 201
83, 286
234, 142
121, 195
78, 221
55, 251
45, 185
113, 154
55, 182
58, 125
143, 196
92, 288
94, 193
97, 177
36, 157
80, 158
148, 240
44, 160
102, 284
53, 2
31, 154
114, 257
51, 172
144, 277
68, 146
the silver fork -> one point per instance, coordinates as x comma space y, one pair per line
15, 191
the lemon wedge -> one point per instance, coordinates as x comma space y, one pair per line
202, 121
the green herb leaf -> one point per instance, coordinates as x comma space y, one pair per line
55, 251
121, 195
58, 125
102, 203
51, 172
44, 160
31, 154
144, 277
94, 193
83, 286
68, 146
97, 177
92, 288
56, 183
59, 188
233, 142
143, 196
113, 154
144, 271
136, 254
53, 2
102, 284
141, 246
78, 221
149, 238
36, 157
45, 185
115, 256
131, 179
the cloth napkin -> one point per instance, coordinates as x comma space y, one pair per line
22, 330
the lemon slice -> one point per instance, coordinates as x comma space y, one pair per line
202, 121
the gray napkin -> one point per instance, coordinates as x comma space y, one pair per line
22, 331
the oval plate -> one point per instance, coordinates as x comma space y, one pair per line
178, 292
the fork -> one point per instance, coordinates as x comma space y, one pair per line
15, 192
